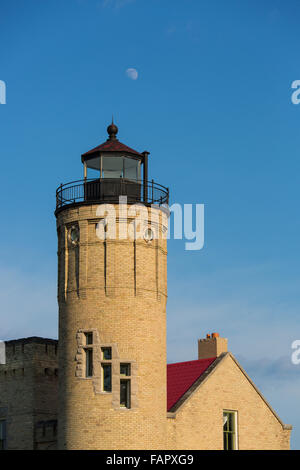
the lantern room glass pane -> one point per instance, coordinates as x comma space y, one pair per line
94, 163
131, 169
112, 167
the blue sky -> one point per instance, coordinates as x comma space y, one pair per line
212, 103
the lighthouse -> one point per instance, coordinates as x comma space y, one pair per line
112, 293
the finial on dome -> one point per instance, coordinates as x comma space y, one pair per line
112, 130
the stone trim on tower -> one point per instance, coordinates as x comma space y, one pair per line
115, 362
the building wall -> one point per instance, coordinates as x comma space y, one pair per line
28, 402
28, 391
118, 290
198, 423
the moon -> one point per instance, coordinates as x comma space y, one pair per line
132, 73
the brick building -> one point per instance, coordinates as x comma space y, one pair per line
112, 390
28, 394
211, 402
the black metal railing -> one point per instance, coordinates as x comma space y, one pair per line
108, 190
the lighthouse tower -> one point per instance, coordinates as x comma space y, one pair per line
112, 291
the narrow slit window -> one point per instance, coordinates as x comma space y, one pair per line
88, 350
106, 377
89, 362
125, 393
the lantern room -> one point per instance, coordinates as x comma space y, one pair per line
112, 160
112, 170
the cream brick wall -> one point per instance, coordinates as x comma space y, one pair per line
119, 288
198, 423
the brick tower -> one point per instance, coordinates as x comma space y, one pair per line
112, 291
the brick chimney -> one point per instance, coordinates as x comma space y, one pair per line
211, 346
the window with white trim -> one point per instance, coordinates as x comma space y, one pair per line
230, 430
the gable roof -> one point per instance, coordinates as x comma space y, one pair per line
181, 376
174, 405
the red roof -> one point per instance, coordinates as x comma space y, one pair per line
112, 146
181, 376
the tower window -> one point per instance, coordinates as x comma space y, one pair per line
88, 338
2, 434
106, 377
230, 430
106, 368
89, 362
74, 235
148, 234
88, 349
125, 369
106, 354
125, 393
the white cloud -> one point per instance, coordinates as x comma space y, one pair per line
132, 73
